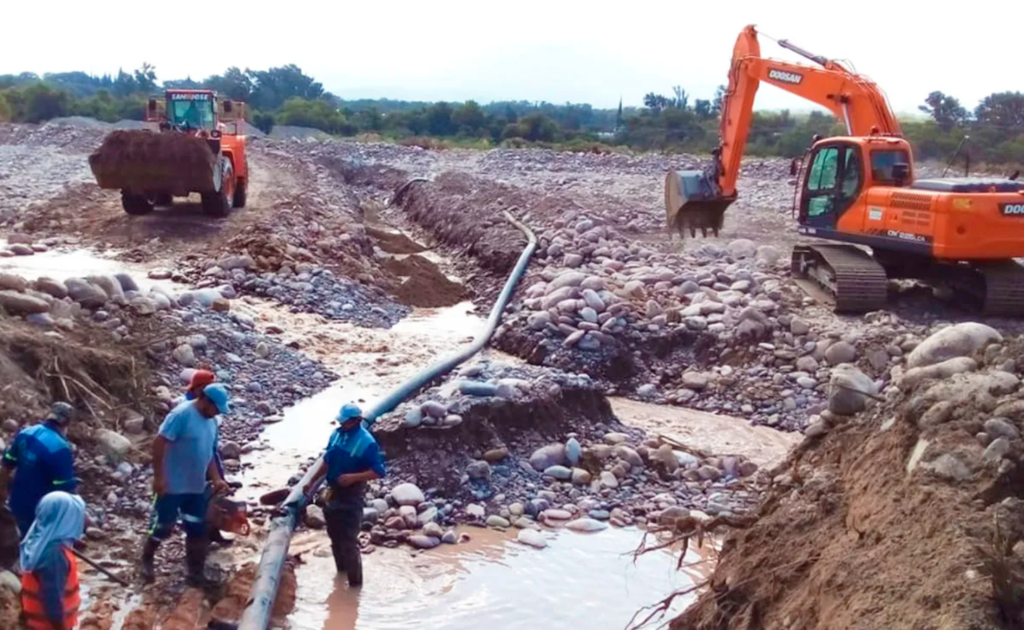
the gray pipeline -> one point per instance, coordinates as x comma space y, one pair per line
256, 615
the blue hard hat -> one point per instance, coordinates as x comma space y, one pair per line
349, 411
219, 396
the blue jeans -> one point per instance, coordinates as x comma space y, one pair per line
166, 510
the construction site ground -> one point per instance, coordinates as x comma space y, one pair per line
639, 382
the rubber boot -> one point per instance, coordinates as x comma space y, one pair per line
353, 560
196, 550
339, 557
146, 566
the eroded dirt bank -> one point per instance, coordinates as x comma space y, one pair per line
907, 516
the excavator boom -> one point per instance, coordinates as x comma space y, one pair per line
698, 199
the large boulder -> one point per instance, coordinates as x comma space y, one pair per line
51, 287
742, 248
547, 456
22, 304
86, 293
127, 282
941, 370
407, 494
849, 390
112, 445
959, 340
10, 282
110, 285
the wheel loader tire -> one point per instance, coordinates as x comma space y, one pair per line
216, 204
136, 205
240, 190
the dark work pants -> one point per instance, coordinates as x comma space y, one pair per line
343, 522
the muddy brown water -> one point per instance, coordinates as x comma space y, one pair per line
579, 581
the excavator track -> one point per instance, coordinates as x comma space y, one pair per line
844, 275
1004, 287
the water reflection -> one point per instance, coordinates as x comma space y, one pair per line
580, 580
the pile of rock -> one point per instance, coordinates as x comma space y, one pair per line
482, 447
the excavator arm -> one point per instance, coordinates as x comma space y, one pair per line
698, 199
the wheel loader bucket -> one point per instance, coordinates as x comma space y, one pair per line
691, 203
143, 161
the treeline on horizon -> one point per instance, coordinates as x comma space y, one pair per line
287, 96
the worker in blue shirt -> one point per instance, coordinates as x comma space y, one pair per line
352, 459
183, 461
40, 459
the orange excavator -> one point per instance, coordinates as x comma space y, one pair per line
860, 190
199, 148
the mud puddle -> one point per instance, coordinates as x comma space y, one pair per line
580, 580
714, 433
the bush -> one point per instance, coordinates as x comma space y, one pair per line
40, 103
317, 114
6, 112
263, 121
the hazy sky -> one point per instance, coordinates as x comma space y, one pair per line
557, 50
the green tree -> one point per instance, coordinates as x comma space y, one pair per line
469, 118
234, 84
439, 120
145, 79
716, 104
656, 102
1002, 109
537, 128
42, 102
271, 88
682, 99
124, 84
618, 115
317, 114
945, 110
702, 108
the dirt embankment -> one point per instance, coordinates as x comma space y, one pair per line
910, 516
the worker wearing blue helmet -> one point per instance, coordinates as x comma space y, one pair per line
352, 459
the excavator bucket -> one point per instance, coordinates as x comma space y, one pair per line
692, 203
143, 161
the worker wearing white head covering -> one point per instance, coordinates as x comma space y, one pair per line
49, 582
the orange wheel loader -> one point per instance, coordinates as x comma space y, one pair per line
198, 149
859, 191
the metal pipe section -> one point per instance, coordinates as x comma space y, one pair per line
256, 615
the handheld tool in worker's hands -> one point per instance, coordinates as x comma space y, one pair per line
227, 515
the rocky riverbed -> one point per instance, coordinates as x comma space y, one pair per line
525, 442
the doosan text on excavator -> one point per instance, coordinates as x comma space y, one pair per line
860, 191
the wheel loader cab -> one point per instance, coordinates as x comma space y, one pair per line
191, 110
